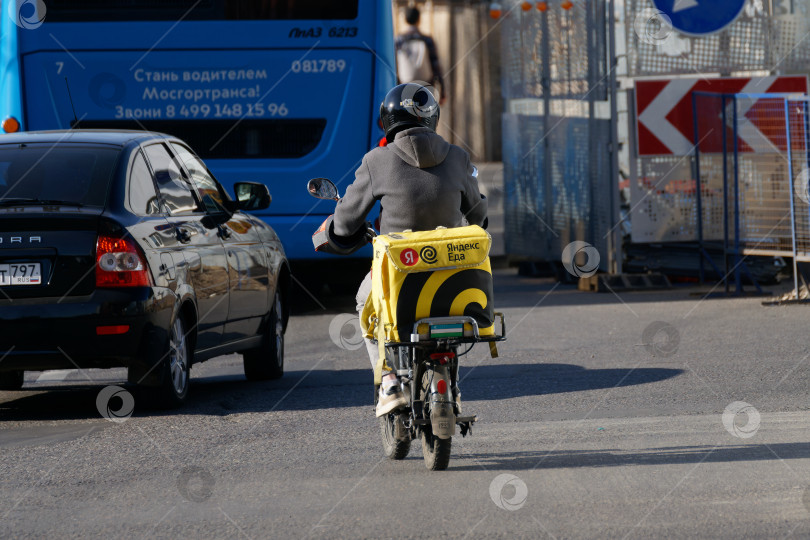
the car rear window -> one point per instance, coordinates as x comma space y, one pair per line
63, 173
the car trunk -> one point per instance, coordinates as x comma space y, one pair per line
60, 240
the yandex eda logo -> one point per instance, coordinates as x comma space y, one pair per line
409, 257
429, 255
456, 251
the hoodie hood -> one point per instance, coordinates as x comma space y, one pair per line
420, 147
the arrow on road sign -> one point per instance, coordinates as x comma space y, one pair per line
654, 117
681, 5
665, 118
713, 15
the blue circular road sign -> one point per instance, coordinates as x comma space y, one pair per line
700, 17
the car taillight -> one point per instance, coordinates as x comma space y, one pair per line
119, 263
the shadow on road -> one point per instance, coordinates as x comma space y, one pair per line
311, 297
324, 389
674, 455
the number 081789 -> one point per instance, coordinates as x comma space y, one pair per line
318, 66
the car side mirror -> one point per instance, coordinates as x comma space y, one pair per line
251, 196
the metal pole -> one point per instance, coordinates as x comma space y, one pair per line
614, 241
792, 199
725, 193
545, 83
805, 131
633, 146
737, 259
698, 193
594, 184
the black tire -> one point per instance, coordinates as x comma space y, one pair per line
267, 361
392, 448
12, 380
436, 451
176, 366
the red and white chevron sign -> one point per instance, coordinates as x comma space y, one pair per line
664, 112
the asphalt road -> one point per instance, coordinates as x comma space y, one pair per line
589, 428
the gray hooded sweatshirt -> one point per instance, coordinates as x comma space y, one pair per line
421, 181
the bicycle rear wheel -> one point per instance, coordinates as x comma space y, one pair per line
436, 451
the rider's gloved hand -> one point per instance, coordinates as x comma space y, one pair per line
370, 232
327, 241
361, 235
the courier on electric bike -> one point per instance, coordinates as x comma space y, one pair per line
431, 301
430, 289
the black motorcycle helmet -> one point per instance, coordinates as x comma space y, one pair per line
408, 105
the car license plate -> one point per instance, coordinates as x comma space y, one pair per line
20, 274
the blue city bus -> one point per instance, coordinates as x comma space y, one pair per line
276, 91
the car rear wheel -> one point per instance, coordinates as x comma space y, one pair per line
176, 366
11, 380
267, 361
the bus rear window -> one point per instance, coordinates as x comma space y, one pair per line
226, 139
199, 10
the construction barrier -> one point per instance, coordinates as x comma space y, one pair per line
750, 151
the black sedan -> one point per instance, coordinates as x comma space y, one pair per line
120, 248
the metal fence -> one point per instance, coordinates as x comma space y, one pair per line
751, 150
768, 37
525, 199
557, 132
555, 190
797, 114
558, 144
574, 53
663, 200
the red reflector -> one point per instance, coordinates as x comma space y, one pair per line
441, 386
443, 356
383, 142
112, 330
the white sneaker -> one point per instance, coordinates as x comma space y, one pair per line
390, 400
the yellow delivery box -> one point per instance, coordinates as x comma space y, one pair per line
439, 273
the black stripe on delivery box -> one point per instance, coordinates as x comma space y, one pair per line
452, 287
